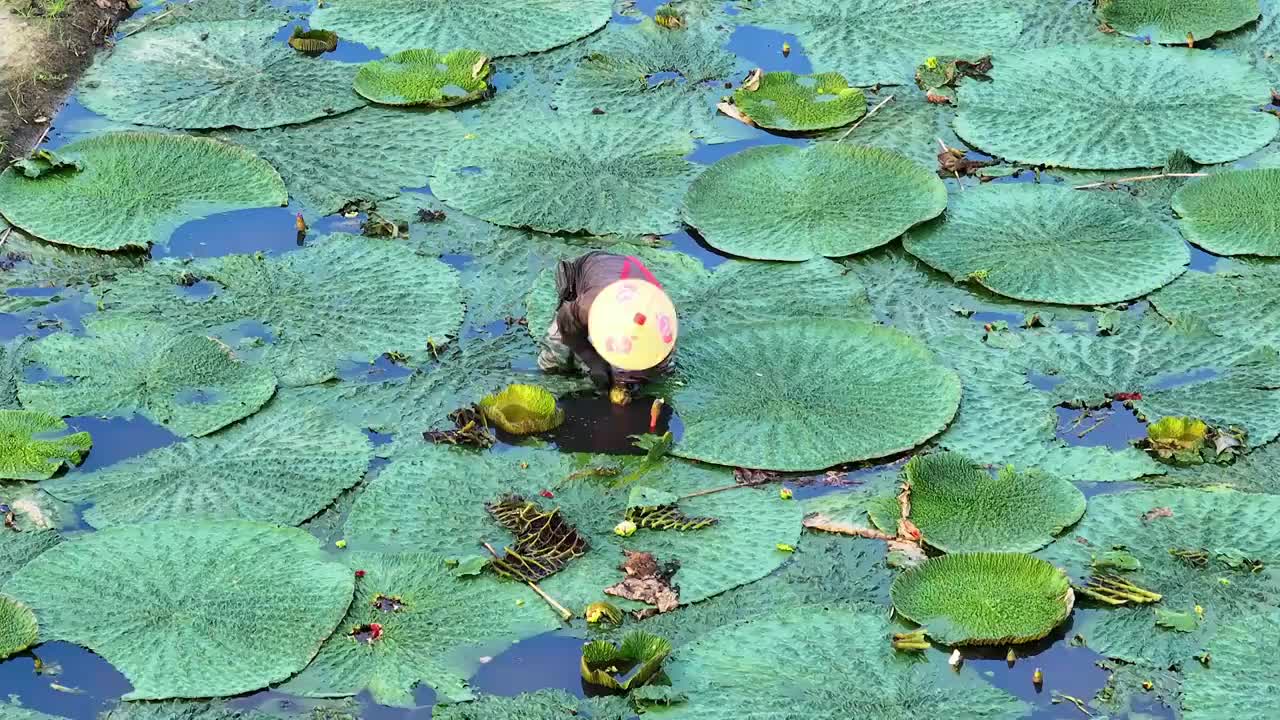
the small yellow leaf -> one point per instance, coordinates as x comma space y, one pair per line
786, 548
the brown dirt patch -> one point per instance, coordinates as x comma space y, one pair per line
44, 46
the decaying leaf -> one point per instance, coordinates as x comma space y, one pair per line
647, 582
545, 541
630, 665
732, 111
1154, 513
471, 429
752, 83
657, 510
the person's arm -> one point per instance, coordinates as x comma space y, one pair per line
574, 335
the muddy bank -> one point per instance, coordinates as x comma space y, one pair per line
44, 46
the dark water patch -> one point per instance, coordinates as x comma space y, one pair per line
72, 123
1113, 426
379, 369
689, 242
1201, 261
763, 49
347, 51
119, 438
837, 481
550, 660
1095, 489
270, 230
378, 438
592, 423
457, 261
73, 682
194, 287
64, 315
707, 154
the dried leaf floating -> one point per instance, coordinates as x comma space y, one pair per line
637, 661
647, 582
522, 409
471, 429
545, 541
313, 42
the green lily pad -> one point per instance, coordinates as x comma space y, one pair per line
136, 188
1236, 302
284, 464
18, 629
1050, 244
425, 77
641, 652
1205, 104
664, 77
1179, 537
434, 628
33, 446
1172, 22
305, 300
984, 598
593, 174
780, 202
18, 549
432, 499
873, 41
189, 609
763, 395
959, 507
805, 662
801, 103
539, 705
215, 74
1232, 213
36, 263
522, 409
496, 29
1239, 671
189, 383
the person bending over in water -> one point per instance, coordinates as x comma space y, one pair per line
613, 318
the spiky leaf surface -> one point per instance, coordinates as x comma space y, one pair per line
187, 382
211, 75
190, 609
283, 465
806, 661
1236, 302
34, 263
1205, 104
343, 298
425, 77
1051, 244
1210, 521
959, 507
1232, 213
801, 103
437, 637
984, 598
383, 150
872, 41
665, 77
18, 549
781, 202
207, 11
496, 29
136, 188
1173, 21
18, 629
908, 125
1239, 674
35, 445
522, 409
539, 705
433, 500
595, 174
806, 395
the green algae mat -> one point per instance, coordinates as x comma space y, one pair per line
276, 440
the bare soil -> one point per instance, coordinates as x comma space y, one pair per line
44, 46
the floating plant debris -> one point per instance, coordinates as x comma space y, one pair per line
313, 42
545, 541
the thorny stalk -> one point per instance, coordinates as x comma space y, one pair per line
565, 613
1115, 590
148, 23
1138, 178
864, 119
1060, 697
735, 486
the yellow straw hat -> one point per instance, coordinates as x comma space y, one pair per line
632, 324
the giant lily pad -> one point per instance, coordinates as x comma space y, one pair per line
210, 75
190, 609
283, 464
1232, 213
1206, 104
806, 662
1189, 544
1050, 244
873, 41
308, 302
800, 103
538, 705
508, 28
661, 76
136, 188
780, 202
35, 445
1236, 302
35, 263
1176, 21
18, 549
959, 507
384, 150
189, 383
984, 598
433, 498
1239, 672
599, 175
425, 77
909, 125
433, 628
806, 395
18, 629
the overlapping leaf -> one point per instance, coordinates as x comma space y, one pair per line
343, 298
1176, 21
1232, 213
215, 74
187, 382
801, 103
19, 548
1050, 244
1236, 302
136, 188
425, 77
786, 203
1204, 104
36, 445
209, 608
908, 125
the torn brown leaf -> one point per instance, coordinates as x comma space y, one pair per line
818, 521
647, 582
732, 111
752, 83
